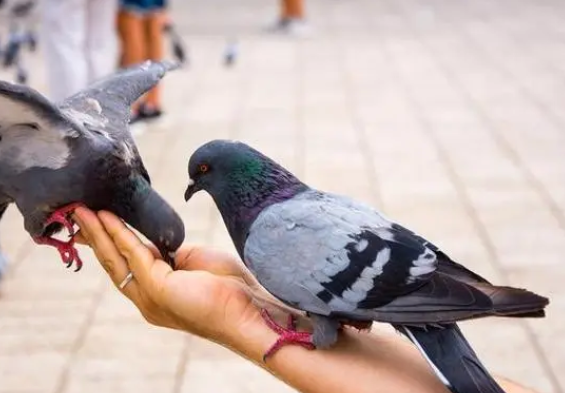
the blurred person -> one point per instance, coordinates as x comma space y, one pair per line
141, 26
79, 43
211, 294
292, 18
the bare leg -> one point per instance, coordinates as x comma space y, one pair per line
295, 9
154, 23
133, 41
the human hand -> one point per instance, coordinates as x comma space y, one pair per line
213, 296
210, 294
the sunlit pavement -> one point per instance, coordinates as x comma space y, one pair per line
448, 116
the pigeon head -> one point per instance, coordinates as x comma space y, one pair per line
229, 169
149, 213
241, 180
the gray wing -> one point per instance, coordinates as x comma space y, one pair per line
21, 104
327, 254
107, 102
331, 256
103, 108
33, 131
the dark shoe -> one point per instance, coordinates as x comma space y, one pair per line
150, 113
135, 117
144, 113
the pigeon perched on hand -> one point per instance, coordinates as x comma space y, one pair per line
55, 157
344, 263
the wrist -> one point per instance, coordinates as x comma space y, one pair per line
251, 338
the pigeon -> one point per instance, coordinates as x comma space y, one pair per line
177, 44
54, 158
346, 264
230, 53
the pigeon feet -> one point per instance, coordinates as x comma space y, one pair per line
67, 250
287, 335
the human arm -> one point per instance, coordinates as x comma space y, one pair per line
211, 295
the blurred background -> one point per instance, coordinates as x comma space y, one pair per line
447, 115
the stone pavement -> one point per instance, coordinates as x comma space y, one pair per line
449, 116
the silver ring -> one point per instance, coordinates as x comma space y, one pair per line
126, 281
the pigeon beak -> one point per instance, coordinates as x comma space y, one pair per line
190, 190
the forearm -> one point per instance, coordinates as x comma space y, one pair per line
359, 363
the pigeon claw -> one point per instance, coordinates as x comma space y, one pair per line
67, 250
288, 335
61, 216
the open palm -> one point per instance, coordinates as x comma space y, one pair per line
209, 294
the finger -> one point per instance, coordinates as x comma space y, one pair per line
80, 238
139, 257
83, 217
106, 252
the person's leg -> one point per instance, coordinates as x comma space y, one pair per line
133, 43
297, 18
101, 43
295, 9
286, 9
121, 31
63, 39
133, 36
154, 27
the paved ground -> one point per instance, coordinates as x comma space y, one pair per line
449, 116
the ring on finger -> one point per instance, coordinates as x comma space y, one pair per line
126, 280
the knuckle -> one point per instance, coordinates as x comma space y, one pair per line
108, 266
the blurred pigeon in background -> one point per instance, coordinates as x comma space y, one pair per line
55, 157
344, 263
177, 44
20, 35
230, 53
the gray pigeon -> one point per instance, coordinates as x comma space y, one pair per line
344, 263
55, 157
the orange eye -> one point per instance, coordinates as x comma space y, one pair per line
203, 168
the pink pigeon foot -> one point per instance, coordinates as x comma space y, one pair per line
287, 335
67, 250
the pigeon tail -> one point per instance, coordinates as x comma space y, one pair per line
451, 358
514, 302
150, 214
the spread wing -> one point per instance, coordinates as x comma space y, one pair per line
107, 102
104, 107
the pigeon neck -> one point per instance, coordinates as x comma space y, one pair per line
239, 208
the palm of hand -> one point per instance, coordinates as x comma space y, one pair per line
209, 294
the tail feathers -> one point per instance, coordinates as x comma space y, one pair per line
514, 302
507, 301
451, 358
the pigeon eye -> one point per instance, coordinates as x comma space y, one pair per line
203, 168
